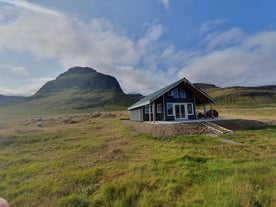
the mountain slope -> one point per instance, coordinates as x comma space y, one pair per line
78, 89
6, 100
241, 95
83, 79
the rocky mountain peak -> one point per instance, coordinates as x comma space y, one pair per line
82, 79
79, 70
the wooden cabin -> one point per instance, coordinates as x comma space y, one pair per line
175, 102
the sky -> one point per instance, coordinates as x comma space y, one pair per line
145, 44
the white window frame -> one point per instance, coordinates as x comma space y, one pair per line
186, 108
192, 105
159, 108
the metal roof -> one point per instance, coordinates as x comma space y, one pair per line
201, 97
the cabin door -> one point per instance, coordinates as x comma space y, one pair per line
180, 111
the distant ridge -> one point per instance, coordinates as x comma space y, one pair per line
6, 100
135, 96
83, 89
240, 95
205, 85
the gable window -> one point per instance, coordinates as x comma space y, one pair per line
159, 108
175, 93
182, 94
170, 109
170, 93
190, 109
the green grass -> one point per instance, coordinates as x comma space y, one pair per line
262, 110
102, 162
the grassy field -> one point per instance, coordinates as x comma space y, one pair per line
261, 110
81, 161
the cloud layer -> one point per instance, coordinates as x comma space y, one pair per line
249, 62
226, 57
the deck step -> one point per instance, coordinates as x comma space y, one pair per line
216, 128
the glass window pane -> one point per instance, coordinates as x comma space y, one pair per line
175, 93
177, 111
182, 94
182, 111
146, 109
169, 109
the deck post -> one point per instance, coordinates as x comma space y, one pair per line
212, 113
149, 113
153, 112
204, 109
164, 115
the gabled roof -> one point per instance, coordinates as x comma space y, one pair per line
201, 97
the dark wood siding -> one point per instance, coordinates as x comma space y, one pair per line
160, 115
188, 99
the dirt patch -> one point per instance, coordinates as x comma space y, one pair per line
172, 130
169, 130
240, 124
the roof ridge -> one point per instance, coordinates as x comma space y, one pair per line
153, 96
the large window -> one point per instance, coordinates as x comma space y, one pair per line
182, 94
147, 109
177, 93
170, 109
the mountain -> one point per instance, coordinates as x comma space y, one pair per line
135, 95
82, 79
82, 89
238, 95
205, 86
78, 89
6, 100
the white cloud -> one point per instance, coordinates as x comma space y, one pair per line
229, 57
225, 39
25, 90
134, 79
210, 25
20, 70
166, 4
26, 5
99, 44
250, 63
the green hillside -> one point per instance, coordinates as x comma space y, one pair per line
242, 95
77, 90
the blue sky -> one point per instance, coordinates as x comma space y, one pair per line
145, 44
